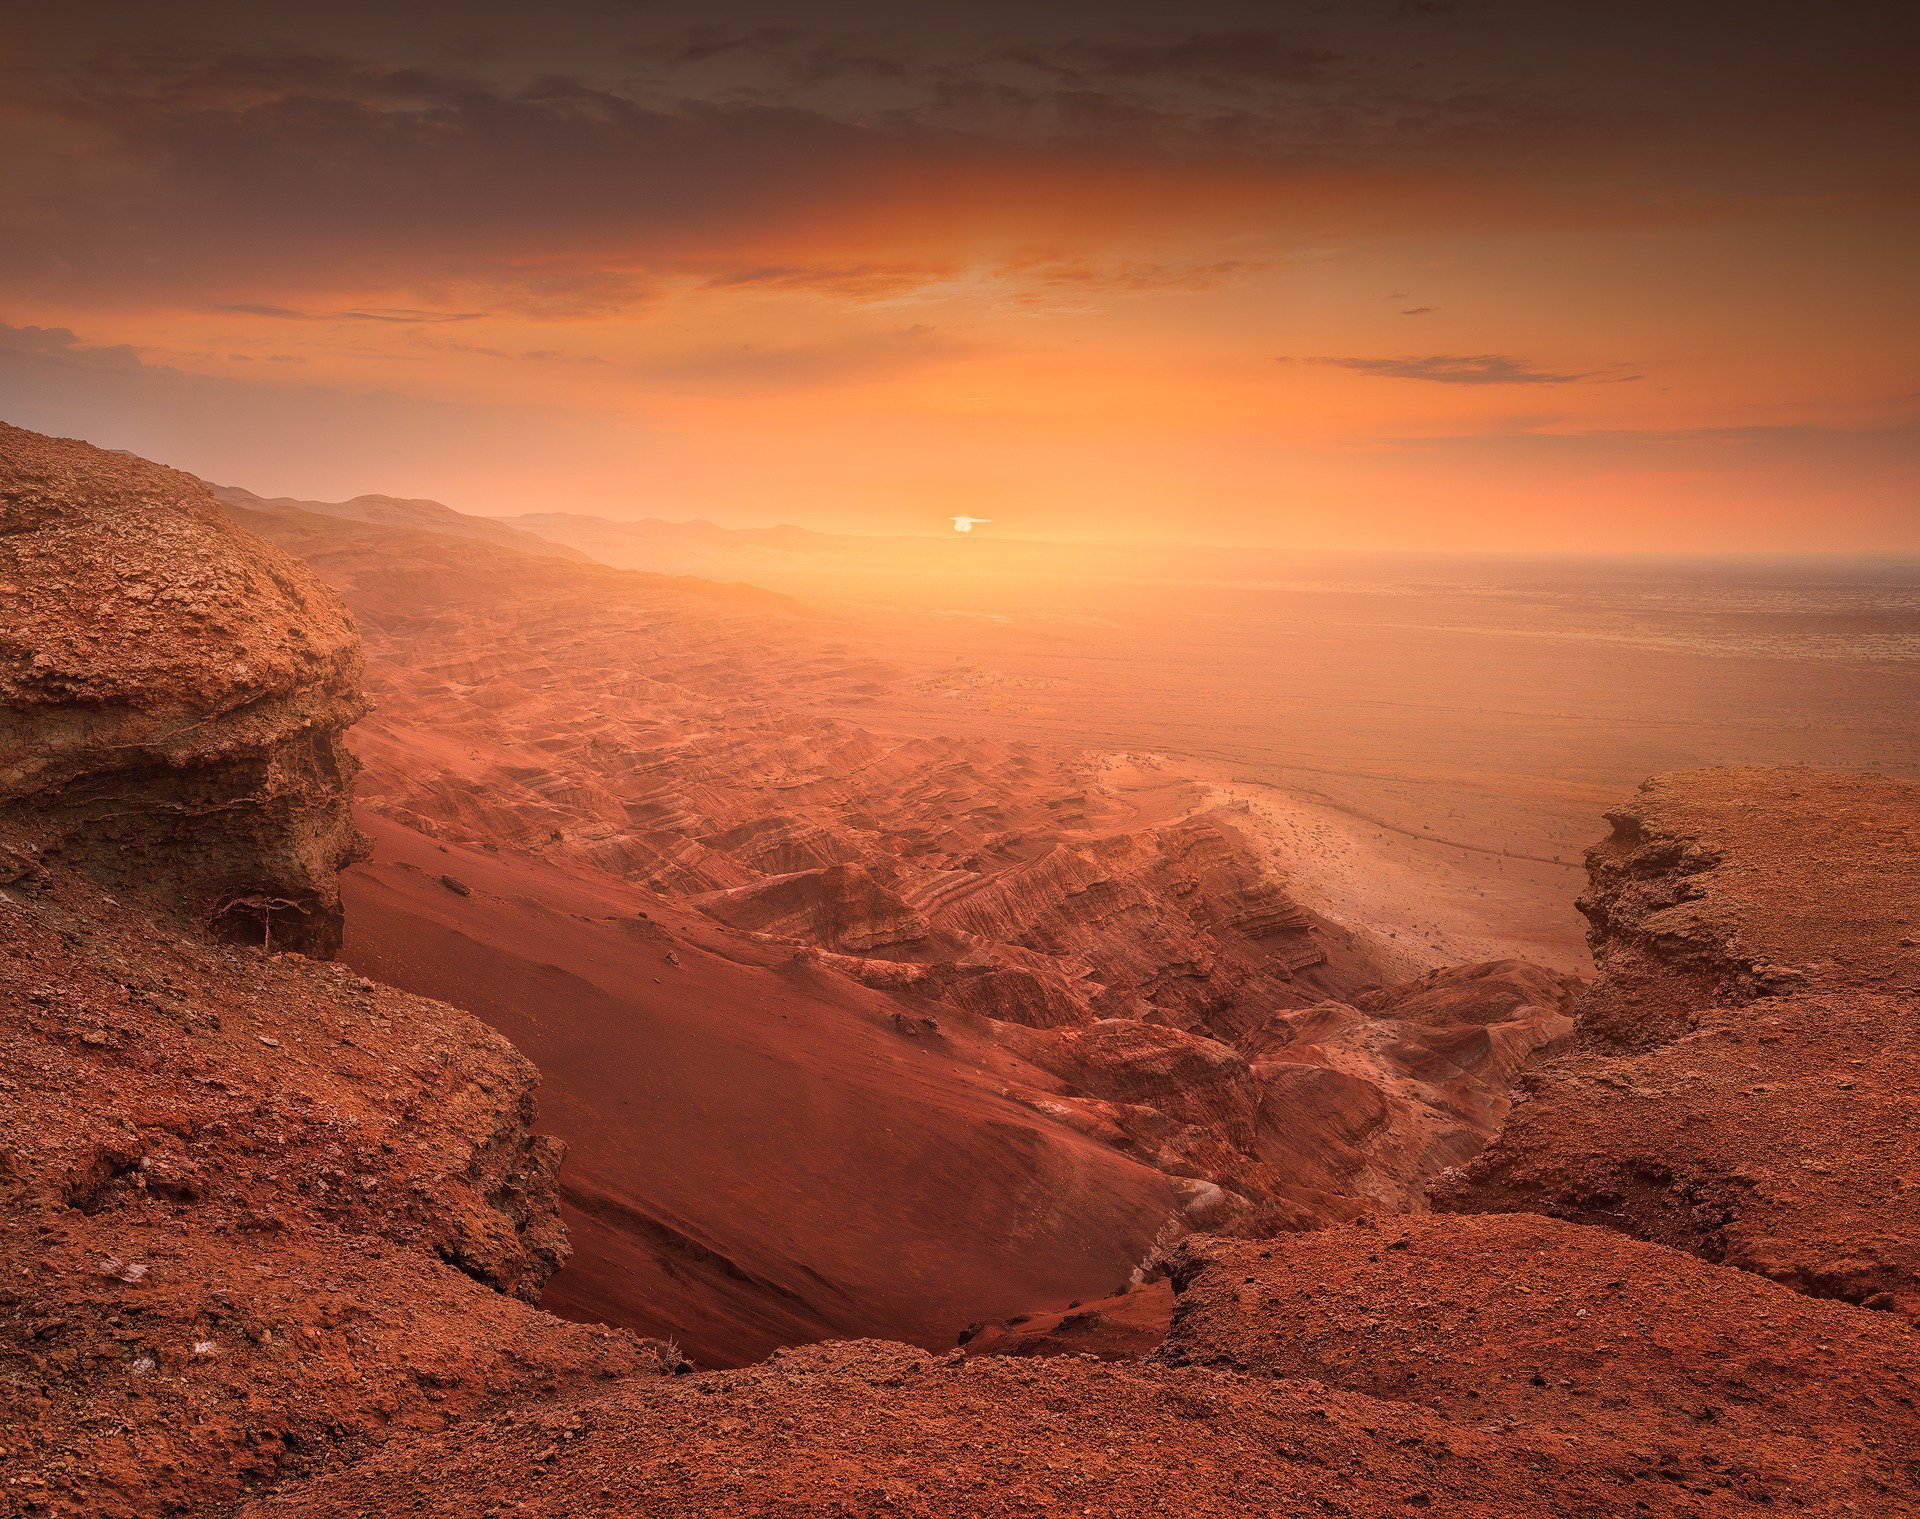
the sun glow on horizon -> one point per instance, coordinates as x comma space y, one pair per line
957, 271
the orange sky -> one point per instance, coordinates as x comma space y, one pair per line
1480, 275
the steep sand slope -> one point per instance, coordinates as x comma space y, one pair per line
760, 1151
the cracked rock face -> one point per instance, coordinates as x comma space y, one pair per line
1742, 1084
172, 697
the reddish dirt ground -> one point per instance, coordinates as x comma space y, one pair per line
856, 1429
255, 1213
1686, 1380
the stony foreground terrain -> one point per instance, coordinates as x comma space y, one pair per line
254, 1209
271, 1233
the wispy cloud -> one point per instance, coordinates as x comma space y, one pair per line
398, 316
1468, 369
759, 369
877, 281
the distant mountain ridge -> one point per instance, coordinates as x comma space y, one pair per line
651, 543
396, 511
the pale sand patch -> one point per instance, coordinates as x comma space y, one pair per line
1423, 902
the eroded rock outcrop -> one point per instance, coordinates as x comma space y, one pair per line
172, 696
1742, 1086
1364, 1106
255, 1212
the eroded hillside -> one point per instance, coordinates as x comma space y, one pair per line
1743, 1088
172, 695
269, 1230
1097, 926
